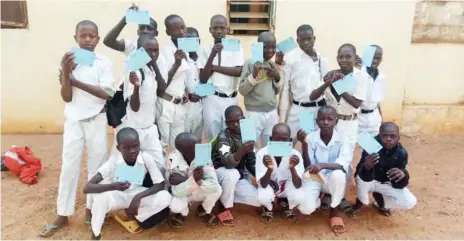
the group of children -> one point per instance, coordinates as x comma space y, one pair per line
164, 110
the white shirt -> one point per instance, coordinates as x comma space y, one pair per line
224, 84
108, 169
177, 86
375, 91
337, 151
193, 76
343, 107
281, 173
129, 46
85, 105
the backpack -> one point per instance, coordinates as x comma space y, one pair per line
116, 107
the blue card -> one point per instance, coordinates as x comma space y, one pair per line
83, 56
257, 54
287, 45
202, 154
346, 84
141, 17
231, 44
125, 173
307, 121
368, 55
188, 44
203, 90
248, 130
368, 143
280, 148
138, 59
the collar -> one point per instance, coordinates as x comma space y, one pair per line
138, 162
177, 160
335, 138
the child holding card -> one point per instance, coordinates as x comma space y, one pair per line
110, 194
385, 175
280, 176
259, 85
194, 119
234, 162
221, 68
86, 83
191, 182
370, 117
170, 108
303, 87
124, 45
327, 159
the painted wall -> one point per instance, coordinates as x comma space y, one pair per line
424, 77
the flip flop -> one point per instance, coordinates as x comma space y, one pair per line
384, 211
226, 216
131, 226
176, 220
50, 230
337, 221
349, 210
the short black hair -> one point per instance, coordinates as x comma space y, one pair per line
215, 17
192, 30
265, 35
304, 27
390, 124
144, 38
126, 132
326, 108
348, 45
185, 136
170, 18
377, 47
86, 23
232, 109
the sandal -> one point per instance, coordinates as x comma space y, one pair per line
348, 209
266, 215
176, 220
50, 230
131, 226
289, 215
226, 218
325, 202
384, 211
337, 221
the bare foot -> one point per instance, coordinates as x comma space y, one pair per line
60, 221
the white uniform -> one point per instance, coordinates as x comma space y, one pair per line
171, 117
214, 106
106, 202
282, 175
208, 192
86, 125
194, 119
143, 121
371, 120
337, 151
236, 190
302, 76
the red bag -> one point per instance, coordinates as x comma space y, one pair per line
22, 162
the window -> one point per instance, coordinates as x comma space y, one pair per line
251, 17
14, 14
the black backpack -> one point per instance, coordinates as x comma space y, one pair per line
116, 107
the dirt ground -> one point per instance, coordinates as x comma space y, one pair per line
436, 166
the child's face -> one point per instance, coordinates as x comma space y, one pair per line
233, 122
326, 120
147, 29
152, 49
346, 59
377, 58
306, 40
389, 137
188, 151
269, 49
87, 37
130, 149
176, 28
218, 28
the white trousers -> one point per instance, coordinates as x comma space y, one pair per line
149, 144
370, 122
394, 198
194, 119
348, 130
91, 133
265, 121
116, 200
181, 204
293, 120
296, 197
171, 122
213, 114
235, 190
335, 186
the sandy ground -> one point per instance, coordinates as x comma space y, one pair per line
436, 166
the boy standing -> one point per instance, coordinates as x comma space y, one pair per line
222, 68
109, 195
84, 89
303, 73
259, 85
